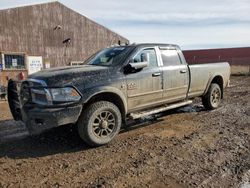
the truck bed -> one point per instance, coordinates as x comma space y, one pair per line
201, 75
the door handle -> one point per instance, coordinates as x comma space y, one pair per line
156, 74
183, 71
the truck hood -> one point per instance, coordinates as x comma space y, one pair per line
71, 75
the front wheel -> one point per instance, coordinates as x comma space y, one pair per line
212, 99
99, 123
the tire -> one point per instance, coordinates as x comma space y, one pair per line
212, 98
99, 123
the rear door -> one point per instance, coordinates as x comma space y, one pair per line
175, 75
145, 88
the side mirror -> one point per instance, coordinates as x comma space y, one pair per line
139, 65
135, 67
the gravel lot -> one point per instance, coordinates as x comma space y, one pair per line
189, 147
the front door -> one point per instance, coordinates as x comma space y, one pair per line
144, 88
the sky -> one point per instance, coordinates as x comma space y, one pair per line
192, 24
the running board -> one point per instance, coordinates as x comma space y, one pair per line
159, 109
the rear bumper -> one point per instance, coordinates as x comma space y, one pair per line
38, 120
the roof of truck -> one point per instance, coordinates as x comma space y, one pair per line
153, 44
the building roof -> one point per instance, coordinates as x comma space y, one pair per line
154, 44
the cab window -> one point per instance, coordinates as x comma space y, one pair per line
152, 57
170, 57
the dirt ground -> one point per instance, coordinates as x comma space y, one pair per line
189, 147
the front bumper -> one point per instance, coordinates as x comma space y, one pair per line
38, 120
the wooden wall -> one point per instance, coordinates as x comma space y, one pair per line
30, 30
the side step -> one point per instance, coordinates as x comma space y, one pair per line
159, 109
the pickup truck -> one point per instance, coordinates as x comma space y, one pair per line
116, 84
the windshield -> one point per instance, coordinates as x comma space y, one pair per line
109, 56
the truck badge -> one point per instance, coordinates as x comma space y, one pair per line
131, 86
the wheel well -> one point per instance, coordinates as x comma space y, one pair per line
218, 80
111, 97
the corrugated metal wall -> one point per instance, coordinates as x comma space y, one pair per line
235, 56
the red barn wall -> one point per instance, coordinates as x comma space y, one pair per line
238, 58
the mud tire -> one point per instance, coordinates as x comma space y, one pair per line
212, 99
99, 123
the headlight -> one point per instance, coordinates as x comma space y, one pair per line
48, 96
67, 94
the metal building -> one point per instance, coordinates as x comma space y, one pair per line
238, 58
48, 35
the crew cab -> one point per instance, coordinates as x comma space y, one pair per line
115, 84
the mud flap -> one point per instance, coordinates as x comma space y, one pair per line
13, 100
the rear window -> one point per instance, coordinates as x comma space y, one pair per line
170, 57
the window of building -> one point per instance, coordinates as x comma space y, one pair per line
13, 61
152, 57
170, 57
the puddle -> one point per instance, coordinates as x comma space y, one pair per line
154, 118
191, 108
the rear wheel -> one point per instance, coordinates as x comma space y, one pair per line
212, 98
99, 123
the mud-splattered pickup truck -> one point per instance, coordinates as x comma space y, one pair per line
116, 84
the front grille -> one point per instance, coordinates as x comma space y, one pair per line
40, 98
35, 84
25, 93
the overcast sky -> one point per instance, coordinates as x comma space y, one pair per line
192, 24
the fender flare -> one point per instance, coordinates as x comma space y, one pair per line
210, 81
86, 96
